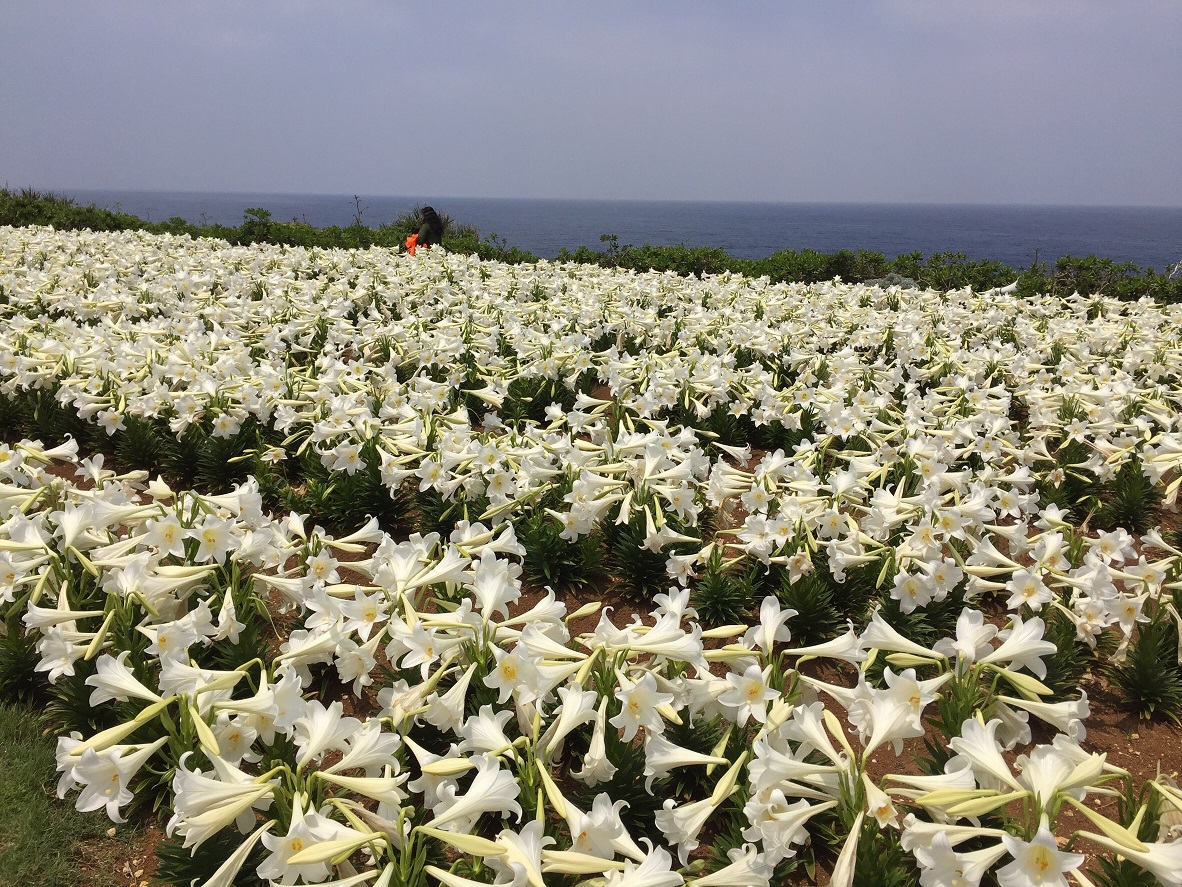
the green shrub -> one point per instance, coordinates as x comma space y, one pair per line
721, 596
552, 560
1150, 680
1129, 501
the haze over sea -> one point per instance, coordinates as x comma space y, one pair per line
1147, 236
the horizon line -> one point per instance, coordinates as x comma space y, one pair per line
65, 192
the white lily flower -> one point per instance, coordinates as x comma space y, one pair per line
1023, 646
386, 789
748, 695
748, 868
977, 745
654, 871
446, 711
596, 766
484, 732
104, 776
1036, 862
515, 674
596, 832
639, 701
493, 790
881, 635
1067, 716
972, 639
1161, 859
523, 851
779, 825
369, 749
307, 829
681, 823
577, 706
227, 873
322, 729
773, 626
942, 866
206, 804
662, 756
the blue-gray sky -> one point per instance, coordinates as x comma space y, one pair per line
993, 101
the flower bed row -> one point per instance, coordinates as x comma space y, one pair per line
634, 428
603, 746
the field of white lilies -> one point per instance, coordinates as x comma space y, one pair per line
365, 568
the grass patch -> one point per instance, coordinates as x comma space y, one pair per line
38, 833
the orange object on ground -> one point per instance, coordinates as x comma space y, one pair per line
410, 243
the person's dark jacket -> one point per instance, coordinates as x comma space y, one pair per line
430, 227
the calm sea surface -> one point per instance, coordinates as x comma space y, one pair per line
1148, 236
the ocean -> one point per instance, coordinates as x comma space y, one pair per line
1016, 235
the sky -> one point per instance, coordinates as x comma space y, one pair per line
926, 101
